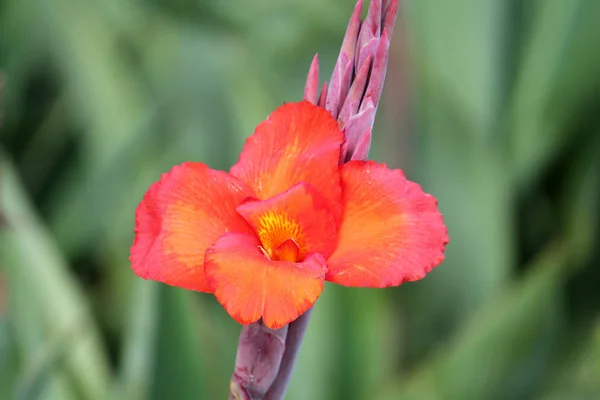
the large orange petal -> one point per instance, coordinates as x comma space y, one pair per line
391, 231
299, 142
299, 216
250, 286
179, 218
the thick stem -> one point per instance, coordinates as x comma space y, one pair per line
293, 342
258, 360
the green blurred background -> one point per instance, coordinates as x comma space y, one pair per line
493, 106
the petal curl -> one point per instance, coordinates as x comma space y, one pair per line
298, 142
250, 286
181, 215
299, 214
391, 231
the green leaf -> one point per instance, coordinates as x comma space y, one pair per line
458, 78
138, 355
578, 377
477, 361
557, 77
189, 356
8, 359
34, 266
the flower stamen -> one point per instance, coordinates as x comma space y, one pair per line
265, 253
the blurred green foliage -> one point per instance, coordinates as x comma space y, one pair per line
493, 106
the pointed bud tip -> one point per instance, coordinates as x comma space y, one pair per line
311, 89
389, 19
323, 96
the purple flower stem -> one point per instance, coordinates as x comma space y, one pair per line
293, 342
258, 360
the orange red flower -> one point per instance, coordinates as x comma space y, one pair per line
288, 217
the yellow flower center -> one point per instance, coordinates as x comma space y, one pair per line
281, 237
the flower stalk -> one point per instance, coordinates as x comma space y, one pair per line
266, 357
259, 349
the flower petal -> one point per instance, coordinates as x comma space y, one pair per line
251, 286
299, 142
179, 218
299, 214
391, 231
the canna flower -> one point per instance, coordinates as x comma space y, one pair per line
289, 216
